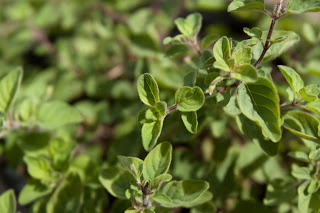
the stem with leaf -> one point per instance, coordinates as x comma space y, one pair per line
274, 17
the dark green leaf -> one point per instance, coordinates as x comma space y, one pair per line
259, 102
279, 191
303, 198
162, 198
159, 180
177, 50
208, 40
68, 197
254, 32
116, 180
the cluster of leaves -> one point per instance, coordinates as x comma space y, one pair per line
222, 89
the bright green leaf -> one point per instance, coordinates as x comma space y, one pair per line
204, 197
259, 102
221, 65
177, 50
275, 49
159, 180
301, 172
33, 190
150, 133
243, 5
254, 32
8, 202
157, 161
132, 164
302, 124
242, 56
292, 77
148, 89
162, 198
189, 99
299, 155
38, 167
222, 49
314, 106
301, 6
8, 88
190, 121
246, 73
184, 192
303, 198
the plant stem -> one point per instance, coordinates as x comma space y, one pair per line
194, 44
171, 108
274, 18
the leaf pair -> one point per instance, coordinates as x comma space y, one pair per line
238, 63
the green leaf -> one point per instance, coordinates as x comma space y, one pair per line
303, 198
57, 113
302, 6
314, 106
177, 50
191, 25
132, 210
210, 78
315, 153
208, 40
189, 99
203, 198
148, 89
150, 133
8, 202
117, 181
159, 180
132, 164
207, 207
242, 56
161, 107
253, 132
292, 77
184, 192
259, 102
190, 121
221, 49
221, 65
254, 32
162, 198
280, 191
142, 117
38, 167
157, 161
246, 73
275, 49
299, 155
33, 190
243, 5
232, 107
8, 88
310, 92
301, 172
302, 124
148, 211
68, 197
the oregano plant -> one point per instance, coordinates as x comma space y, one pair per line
186, 144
